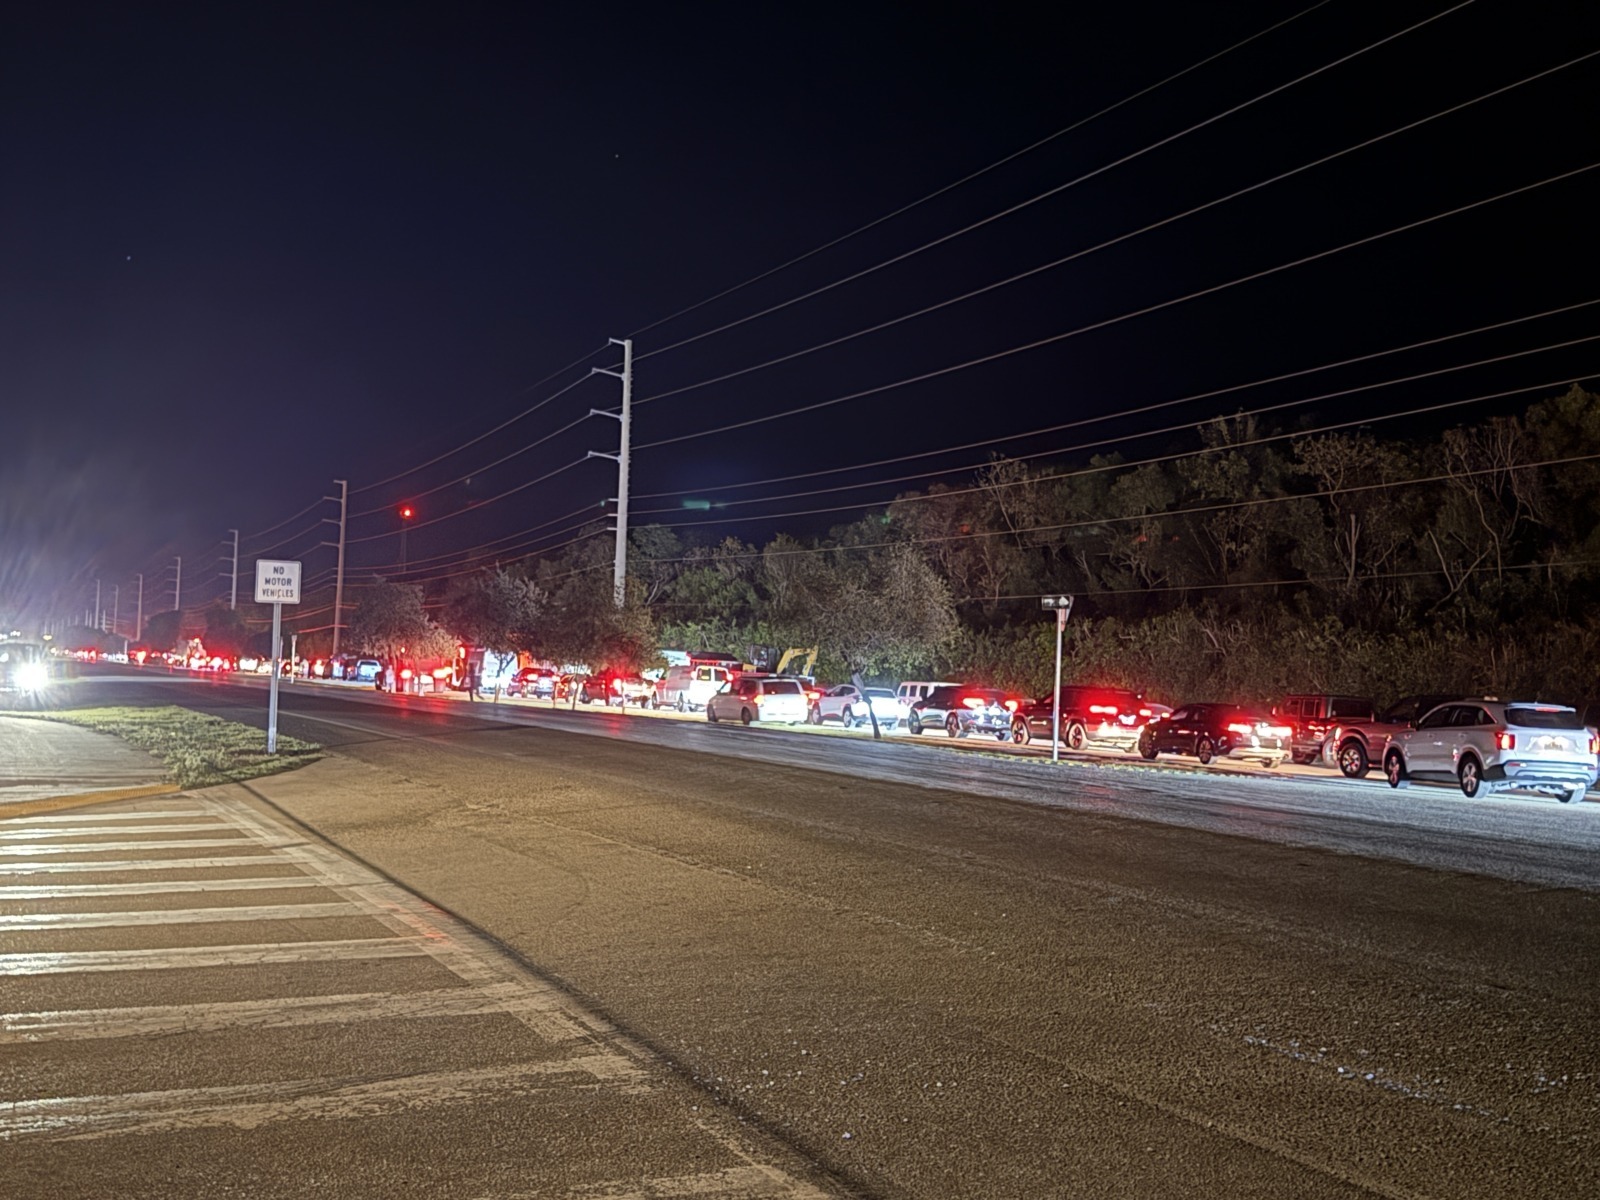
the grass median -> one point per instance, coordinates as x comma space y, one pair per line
197, 749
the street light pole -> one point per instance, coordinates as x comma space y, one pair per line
138, 620
233, 593
338, 581
97, 604
177, 589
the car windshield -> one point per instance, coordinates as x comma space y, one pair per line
988, 697
1540, 717
879, 693
781, 687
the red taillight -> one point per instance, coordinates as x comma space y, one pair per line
972, 701
406, 674
813, 697
1594, 744
1109, 710
1145, 713
1238, 727
1011, 705
1504, 740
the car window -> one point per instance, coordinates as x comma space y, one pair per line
1471, 715
1178, 714
780, 687
1438, 718
1344, 706
1534, 717
941, 697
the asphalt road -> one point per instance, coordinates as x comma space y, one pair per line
924, 972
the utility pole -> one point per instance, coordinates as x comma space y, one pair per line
619, 574
97, 604
338, 579
138, 620
116, 603
177, 589
233, 593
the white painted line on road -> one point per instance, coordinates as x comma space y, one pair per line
180, 916
46, 891
92, 830
288, 1011
123, 847
135, 815
111, 867
250, 1106
187, 957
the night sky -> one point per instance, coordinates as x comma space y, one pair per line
246, 250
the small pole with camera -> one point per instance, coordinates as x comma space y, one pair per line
1063, 606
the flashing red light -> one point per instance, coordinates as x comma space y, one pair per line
1109, 710
1504, 740
406, 674
1239, 727
407, 512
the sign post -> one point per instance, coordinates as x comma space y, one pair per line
277, 584
1063, 606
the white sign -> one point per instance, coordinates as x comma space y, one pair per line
277, 582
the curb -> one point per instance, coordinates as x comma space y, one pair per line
29, 808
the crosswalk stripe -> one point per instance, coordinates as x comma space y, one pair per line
124, 847
513, 999
249, 1106
53, 891
69, 962
86, 818
180, 916
60, 831
115, 866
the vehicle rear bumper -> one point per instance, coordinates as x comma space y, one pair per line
1533, 775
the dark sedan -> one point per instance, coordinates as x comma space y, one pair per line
1212, 731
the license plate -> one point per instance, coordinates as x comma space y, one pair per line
1553, 743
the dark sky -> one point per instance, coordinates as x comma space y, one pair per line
246, 250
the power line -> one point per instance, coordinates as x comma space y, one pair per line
1059, 337
475, 507
1211, 120
1123, 237
950, 187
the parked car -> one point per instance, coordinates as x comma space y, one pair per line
912, 690
849, 705
533, 682
1211, 731
365, 670
1491, 745
620, 688
1312, 716
767, 699
960, 710
1090, 716
1355, 747
688, 688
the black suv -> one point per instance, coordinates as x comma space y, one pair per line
1313, 717
1090, 716
963, 710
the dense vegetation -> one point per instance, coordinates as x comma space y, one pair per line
1246, 563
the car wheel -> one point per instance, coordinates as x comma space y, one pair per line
1147, 748
815, 716
746, 715
1394, 769
1077, 736
913, 726
1353, 762
711, 714
952, 726
1204, 750
848, 718
1470, 773
683, 705
1021, 735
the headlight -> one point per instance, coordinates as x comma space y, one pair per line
32, 676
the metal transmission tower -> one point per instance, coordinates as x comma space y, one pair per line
338, 579
619, 575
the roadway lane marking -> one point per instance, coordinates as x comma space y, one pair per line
79, 848
285, 1012
22, 809
94, 830
133, 815
188, 957
116, 866
42, 891
180, 916
250, 1106
732, 1183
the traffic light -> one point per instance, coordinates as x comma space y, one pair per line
407, 512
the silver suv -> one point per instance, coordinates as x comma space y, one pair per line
1490, 745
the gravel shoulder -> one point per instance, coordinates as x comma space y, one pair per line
941, 995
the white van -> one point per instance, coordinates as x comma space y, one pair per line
685, 688
917, 689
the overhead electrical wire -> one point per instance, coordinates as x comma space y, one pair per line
1145, 433
1082, 329
1057, 190
1122, 413
1123, 237
474, 507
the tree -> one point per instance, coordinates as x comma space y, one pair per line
390, 620
162, 630
497, 610
225, 631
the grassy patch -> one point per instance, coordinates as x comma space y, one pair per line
197, 749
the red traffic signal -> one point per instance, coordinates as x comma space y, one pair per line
407, 512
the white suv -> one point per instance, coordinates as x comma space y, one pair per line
764, 699
1489, 745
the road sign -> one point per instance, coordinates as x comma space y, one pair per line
277, 582
1056, 602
